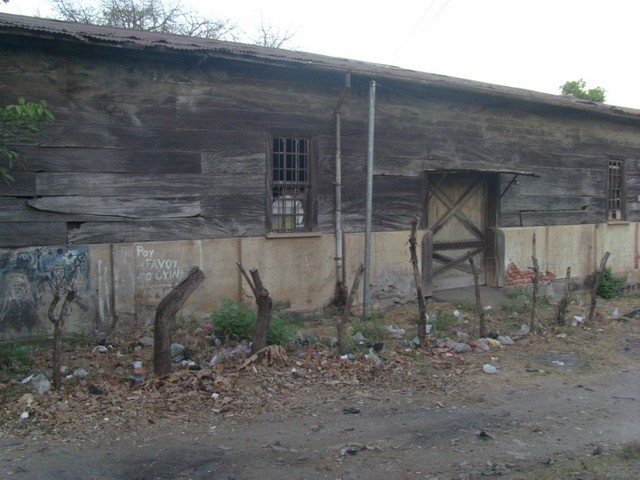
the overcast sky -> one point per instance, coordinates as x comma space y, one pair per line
537, 45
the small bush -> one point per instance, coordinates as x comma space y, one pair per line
373, 329
443, 321
14, 356
631, 451
519, 300
237, 321
282, 331
610, 286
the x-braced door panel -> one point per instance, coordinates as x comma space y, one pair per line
456, 216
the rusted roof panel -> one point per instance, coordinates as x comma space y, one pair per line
142, 40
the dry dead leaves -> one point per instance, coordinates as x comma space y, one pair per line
118, 396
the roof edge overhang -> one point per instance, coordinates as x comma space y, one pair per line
155, 42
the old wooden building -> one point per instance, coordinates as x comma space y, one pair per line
169, 152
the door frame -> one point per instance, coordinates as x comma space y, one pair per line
493, 250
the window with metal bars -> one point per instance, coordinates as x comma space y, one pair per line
616, 181
290, 184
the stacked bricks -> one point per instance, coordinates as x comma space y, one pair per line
517, 277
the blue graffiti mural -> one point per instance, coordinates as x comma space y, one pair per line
29, 278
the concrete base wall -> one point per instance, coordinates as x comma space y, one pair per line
120, 285
580, 247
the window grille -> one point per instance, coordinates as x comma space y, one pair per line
290, 186
615, 201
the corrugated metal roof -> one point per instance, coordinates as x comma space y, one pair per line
136, 39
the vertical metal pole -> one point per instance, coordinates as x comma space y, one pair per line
366, 301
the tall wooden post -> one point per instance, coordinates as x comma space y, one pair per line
535, 280
482, 328
347, 309
422, 308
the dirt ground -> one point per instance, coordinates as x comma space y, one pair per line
563, 403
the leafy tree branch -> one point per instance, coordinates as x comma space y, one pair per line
20, 123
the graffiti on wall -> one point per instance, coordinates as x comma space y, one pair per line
29, 278
156, 269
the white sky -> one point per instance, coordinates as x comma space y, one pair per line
537, 45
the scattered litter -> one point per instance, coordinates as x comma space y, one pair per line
80, 373
456, 313
482, 435
505, 340
100, 349
146, 341
372, 357
459, 347
350, 410
524, 329
462, 335
24, 415
358, 337
561, 335
396, 332
41, 383
237, 352
577, 320
482, 344
93, 390
488, 368
558, 362
348, 356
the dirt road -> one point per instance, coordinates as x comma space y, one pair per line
515, 429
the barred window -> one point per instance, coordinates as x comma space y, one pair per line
615, 187
290, 184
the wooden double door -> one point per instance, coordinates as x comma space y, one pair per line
461, 214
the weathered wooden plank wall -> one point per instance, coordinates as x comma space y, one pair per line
167, 147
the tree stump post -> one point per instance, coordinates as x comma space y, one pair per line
263, 319
596, 284
165, 316
58, 330
564, 301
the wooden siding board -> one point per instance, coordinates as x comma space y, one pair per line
161, 230
239, 214
23, 185
149, 207
110, 160
120, 184
136, 231
29, 234
250, 164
